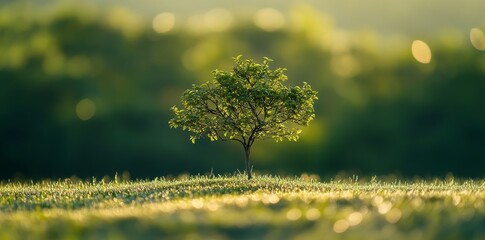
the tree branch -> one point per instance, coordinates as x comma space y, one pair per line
228, 139
255, 114
220, 113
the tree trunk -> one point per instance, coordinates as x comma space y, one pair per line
247, 151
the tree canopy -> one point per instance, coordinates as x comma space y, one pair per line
249, 102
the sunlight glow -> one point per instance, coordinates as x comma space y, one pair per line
477, 38
344, 65
340, 42
293, 214
299, 202
215, 20
270, 199
269, 19
163, 22
318, 28
200, 55
85, 109
125, 20
355, 218
195, 24
218, 20
377, 200
384, 207
394, 215
340, 226
197, 203
312, 214
421, 51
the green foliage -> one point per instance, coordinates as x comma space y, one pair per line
380, 111
248, 103
230, 207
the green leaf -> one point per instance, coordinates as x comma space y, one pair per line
247, 103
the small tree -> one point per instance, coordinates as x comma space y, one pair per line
248, 103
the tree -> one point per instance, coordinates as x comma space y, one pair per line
243, 105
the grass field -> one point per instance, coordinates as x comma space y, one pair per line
235, 208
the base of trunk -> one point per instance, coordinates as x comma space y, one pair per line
248, 162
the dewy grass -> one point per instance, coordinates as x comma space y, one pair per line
231, 207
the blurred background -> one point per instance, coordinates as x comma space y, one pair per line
86, 86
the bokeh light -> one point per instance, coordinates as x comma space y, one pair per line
394, 215
218, 20
215, 20
293, 214
340, 42
477, 38
127, 21
269, 19
195, 24
312, 214
163, 22
341, 226
134, 60
384, 207
85, 109
318, 28
355, 218
200, 55
421, 51
344, 65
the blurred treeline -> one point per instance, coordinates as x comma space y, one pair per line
379, 110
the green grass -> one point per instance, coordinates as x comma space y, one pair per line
235, 208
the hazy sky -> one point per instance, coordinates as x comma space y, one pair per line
411, 17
